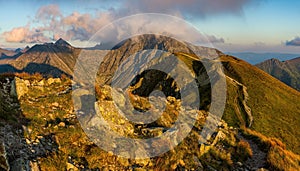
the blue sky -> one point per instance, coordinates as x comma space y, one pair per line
244, 25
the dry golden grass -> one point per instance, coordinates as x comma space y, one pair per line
278, 157
7, 75
28, 76
53, 163
244, 150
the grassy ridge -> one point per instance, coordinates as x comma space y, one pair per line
275, 106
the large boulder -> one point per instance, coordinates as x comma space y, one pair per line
19, 87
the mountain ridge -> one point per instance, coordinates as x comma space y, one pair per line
52, 54
261, 114
286, 71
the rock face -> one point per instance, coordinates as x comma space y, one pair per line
19, 87
129, 50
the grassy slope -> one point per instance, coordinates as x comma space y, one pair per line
275, 106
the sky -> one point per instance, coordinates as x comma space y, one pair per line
232, 25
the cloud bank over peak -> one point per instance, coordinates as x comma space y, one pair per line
49, 23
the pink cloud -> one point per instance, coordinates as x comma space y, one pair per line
16, 34
51, 24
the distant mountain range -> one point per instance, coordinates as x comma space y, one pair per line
48, 59
4, 52
286, 71
255, 58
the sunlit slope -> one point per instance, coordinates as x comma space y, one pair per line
274, 105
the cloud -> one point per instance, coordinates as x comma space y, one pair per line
294, 42
25, 35
214, 39
48, 12
16, 34
193, 8
48, 17
82, 26
50, 23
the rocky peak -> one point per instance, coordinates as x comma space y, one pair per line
62, 42
149, 42
275, 61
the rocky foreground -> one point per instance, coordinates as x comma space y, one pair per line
42, 133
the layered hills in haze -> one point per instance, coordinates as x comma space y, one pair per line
255, 58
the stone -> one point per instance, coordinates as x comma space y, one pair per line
40, 137
71, 167
76, 94
27, 83
61, 124
34, 166
53, 80
110, 153
143, 162
55, 104
204, 148
181, 162
13, 89
41, 83
171, 99
18, 88
28, 141
123, 161
173, 166
239, 164
220, 136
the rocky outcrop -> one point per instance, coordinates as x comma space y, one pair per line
19, 87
